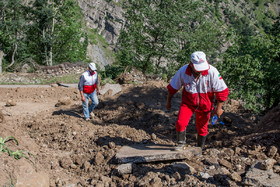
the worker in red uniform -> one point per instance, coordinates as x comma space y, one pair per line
88, 87
201, 83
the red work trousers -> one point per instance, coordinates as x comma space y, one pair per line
201, 118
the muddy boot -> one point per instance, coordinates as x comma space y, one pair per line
181, 140
201, 141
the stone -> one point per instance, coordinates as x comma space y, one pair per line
10, 103
154, 152
99, 158
183, 167
238, 150
125, 168
235, 177
63, 101
258, 177
204, 175
211, 161
112, 145
54, 85
267, 164
86, 166
225, 163
272, 151
65, 162
116, 88
276, 169
154, 137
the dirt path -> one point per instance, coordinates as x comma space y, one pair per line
69, 151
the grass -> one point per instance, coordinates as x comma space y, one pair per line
10, 184
69, 79
4, 148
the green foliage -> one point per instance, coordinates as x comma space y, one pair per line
111, 72
10, 184
12, 28
251, 70
68, 79
49, 32
69, 40
58, 26
165, 31
4, 148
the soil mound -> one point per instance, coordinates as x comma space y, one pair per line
270, 122
69, 151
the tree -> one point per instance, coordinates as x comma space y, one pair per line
1, 57
57, 26
252, 72
70, 40
12, 30
165, 31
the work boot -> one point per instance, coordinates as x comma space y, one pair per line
201, 141
181, 140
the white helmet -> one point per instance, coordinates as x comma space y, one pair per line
92, 66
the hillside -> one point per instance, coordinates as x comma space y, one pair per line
68, 151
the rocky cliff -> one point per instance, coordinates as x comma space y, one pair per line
105, 17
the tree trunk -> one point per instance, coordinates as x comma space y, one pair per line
51, 53
13, 57
1, 56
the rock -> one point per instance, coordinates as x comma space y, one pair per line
176, 176
65, 162
212, 161
99, 158
115, 88
154, 137
105, 180
258, 177
10, 103
133, 76
153, 152
235, 177
236, 105
183, 167
238, 150
63, 101
267, 164
214, 152
112, 145
25, 68
225, 163
223, 171
204, 175
272, 151
124, 168
276, 169
145, 181
54, 85
156, 182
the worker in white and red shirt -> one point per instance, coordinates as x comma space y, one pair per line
201, 83
88, 87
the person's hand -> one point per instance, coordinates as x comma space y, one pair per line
168, 105
83, 99
97, 92
219, 112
